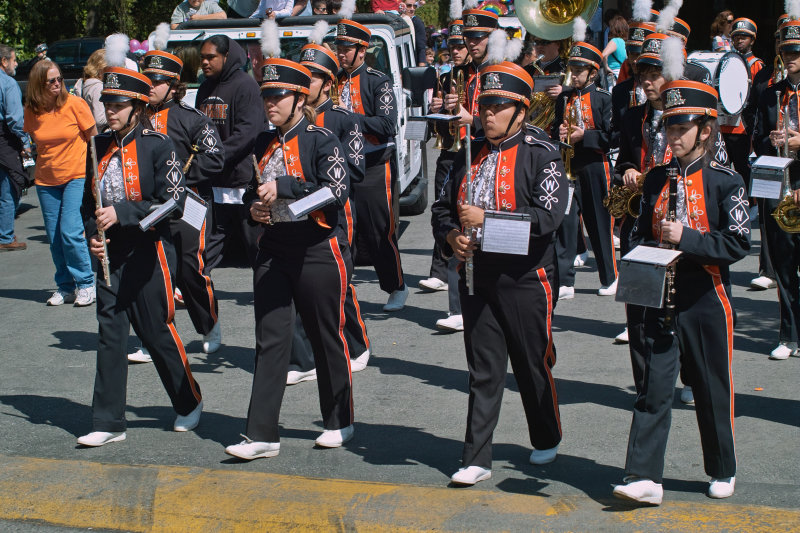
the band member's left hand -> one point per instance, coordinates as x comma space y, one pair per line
106, 217
671, 231
554, 91
260, 212
470, 216
268, 191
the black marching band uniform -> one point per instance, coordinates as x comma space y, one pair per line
591, 171
478, 23
195, 137
525, 175
712, 206
137, 172
305, 262
368, 92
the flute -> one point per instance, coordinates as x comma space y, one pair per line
258, 179
470, 272
98, 190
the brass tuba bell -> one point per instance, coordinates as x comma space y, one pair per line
552, 19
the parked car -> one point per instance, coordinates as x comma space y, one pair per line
71, 56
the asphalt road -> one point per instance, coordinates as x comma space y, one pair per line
410, 402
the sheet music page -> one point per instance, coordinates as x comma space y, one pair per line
765, 189
772, 161
312, 202
652, 255
416, 130
194, 213
504, 236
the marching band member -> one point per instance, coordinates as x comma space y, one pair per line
712, 228
513, 171
590, 136
369, 92
138, 168
302, 262
195, 137
768, 137
642, 12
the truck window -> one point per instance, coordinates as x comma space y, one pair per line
88, 48
64, 53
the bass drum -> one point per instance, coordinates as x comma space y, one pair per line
730, 77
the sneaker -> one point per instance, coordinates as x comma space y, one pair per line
721, 488
543, 457
469, 475
98, 438
608, 290
190, 421
762, 283
296, 376
213, 340
640, 490
141, 355
566, 293
60, 297
687, 396
433, 284
333, 438
13, 246
250, 449
360, 363
178, 296
580, 259
451, 323
783, 351
397, 300
86, 296
622, 338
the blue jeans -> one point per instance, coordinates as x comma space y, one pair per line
61, 210
8, 207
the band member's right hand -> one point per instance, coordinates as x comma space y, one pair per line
461, 244
554, 91
631, 179
268, 192
465, 117
260, 212
776, 138
96, 246
451, 99
436, 103
106, 217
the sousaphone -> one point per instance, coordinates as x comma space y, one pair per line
551, 20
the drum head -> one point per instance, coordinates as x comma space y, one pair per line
733, 83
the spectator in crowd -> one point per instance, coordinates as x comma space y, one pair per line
417, 30
301, 8
334, 6
272, 9
61, 124
90, 85
241, 9
443, 61
191, 64
608, 16
13, 142
721, 32
196, 10
614, 54
386, 6
41, 52
430, 57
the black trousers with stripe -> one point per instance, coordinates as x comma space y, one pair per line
140, 296
704, 339
593, 182
439, 264
315, 279
195, 285
634, 314
785, 262
509, 316
375, 223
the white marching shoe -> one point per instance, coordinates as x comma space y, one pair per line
397, 300
213, 340
543, 457
98, 438
608, 290
451, 323
469, 475
250, 449
687, 396
762, 283
640, 490
580, 259
141, 355
721, 488
566, 293
622, 338
190, 421
293, 377
783, 351
433, 284
360, 363
333, 438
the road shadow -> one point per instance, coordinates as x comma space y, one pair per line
30, 295
226, 357
80, 341
72, 417
244, 298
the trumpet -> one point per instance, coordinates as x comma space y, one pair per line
778, 69
568, 152
787, 214
439, 144
455, 129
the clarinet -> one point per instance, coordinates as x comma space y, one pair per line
98, 190
672, 216
470, 272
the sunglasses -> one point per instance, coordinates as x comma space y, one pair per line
730, 21
53, 81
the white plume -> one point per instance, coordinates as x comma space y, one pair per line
470, 4
117, 46
513, 49
496, 49
672, 59
793, 9
579, 29
667, 16
641, 10
270, 42
158, 39
456, 8
319, 32
348, 8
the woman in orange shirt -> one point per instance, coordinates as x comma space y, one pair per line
61, 125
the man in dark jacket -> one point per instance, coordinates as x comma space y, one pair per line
231, 98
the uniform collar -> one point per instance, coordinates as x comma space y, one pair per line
692, 167
545, 66
301, 125
162, 106
355, 72
127, 138
508, 143
589, 88
325, 106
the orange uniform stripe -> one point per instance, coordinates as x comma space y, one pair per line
550, 356
719, 287
358, 314
337, 255
387, 173
201, 267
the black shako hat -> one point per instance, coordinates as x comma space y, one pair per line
584, 54
478, 23
455, 32
122, 84
790, 36
637, 33
318, 58
351, 33
160, 66
281, 76
505, 82
687, 100
744, 26
651, 50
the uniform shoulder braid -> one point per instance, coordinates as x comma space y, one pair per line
153, 133
340, 109
533, 141
186, 106
603, 91
720, 168
319, 129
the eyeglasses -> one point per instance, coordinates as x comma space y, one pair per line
730, 21
411, 6
53, 81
